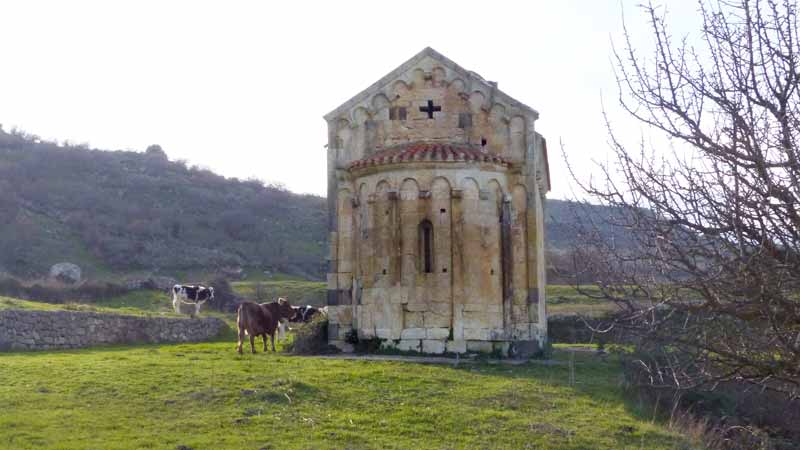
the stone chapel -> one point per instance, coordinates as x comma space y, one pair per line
436, 188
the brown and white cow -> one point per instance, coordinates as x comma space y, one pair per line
261, 320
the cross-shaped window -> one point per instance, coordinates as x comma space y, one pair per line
430, 109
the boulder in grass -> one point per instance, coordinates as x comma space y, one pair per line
66, 273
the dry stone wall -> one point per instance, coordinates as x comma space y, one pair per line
46, 330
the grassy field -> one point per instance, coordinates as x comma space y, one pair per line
205, 396
563, 299
136, 303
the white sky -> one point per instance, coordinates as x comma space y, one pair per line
240, 87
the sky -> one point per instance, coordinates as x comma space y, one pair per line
240, 87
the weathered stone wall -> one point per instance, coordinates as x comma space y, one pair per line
460, 305
44, 330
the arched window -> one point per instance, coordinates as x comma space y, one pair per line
426, 246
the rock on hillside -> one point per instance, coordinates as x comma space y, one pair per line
66, 273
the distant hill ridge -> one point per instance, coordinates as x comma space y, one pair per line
117, 212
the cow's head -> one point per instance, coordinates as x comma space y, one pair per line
298, 314
285, 309
211, 293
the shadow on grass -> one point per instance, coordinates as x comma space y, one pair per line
597, 381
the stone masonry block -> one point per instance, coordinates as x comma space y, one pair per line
409, 345
414, 320
344, 315
413, 333
438, 333
501, 347
416, 307
439, 308
435, 347
332, 279
457, 346
479, 346
474, 307
433, 320
478, 334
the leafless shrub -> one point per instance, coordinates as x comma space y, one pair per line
709, 285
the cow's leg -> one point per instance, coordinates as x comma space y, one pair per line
272, 340
264, 338
253, 344
281, 330
241, 339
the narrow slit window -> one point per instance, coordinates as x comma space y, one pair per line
397, 113
426, 244
464, 120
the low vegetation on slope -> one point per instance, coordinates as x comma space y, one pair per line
126, 211
205, 396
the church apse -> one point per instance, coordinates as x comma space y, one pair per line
436, 184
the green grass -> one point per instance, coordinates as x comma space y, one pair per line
565, 299
137, 303
205, 396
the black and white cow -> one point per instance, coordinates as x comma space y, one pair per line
188, 299
302, 314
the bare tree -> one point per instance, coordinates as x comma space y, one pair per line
709, 288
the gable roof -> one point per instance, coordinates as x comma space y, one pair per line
410, 64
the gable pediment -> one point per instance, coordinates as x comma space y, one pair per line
427, 65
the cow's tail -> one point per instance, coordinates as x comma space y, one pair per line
240, 320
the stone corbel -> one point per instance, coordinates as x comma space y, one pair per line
424, 194
483, 194
457, 193
392, 195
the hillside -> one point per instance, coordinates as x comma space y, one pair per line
121, 212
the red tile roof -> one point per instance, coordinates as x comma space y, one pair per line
428, 152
